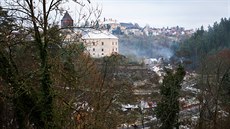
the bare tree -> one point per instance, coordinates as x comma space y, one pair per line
214, 79
56, 85
30, 74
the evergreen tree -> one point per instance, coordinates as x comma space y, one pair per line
204, 43
167, 109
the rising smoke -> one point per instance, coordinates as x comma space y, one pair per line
138, 49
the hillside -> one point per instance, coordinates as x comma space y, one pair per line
206, 43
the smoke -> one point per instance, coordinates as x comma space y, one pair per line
155, 51
164, 52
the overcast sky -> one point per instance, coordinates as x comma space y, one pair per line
190, 14
163, 13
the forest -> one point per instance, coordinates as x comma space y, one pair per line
206, 43
207, 53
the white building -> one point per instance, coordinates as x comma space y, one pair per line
100, 43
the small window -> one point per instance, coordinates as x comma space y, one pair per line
112, 43
93, 53
102, 53
102, 43
102, 49
93, 49
113, 50
116, 49
116, 43
93, 43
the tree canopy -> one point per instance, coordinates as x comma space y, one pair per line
167, 110
206, 42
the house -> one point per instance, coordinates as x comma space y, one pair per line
100, 43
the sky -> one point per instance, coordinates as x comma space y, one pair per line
190, 14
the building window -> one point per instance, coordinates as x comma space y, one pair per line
93, 53
93, 43
112, 43
102, 43
116, 49
113, 50
102, 53
102, 49
116, 43
93, 49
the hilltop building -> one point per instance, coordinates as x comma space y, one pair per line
98, 43
110, 24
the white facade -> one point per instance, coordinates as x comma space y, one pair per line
100, 43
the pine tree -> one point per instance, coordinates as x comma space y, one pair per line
167, 110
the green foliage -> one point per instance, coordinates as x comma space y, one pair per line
167, 109
204, 43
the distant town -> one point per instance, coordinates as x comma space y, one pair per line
121, 28
108, 36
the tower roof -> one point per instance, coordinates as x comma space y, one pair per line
67, 17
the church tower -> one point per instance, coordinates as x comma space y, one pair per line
66, 21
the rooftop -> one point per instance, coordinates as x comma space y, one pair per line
67, 17
98, 35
